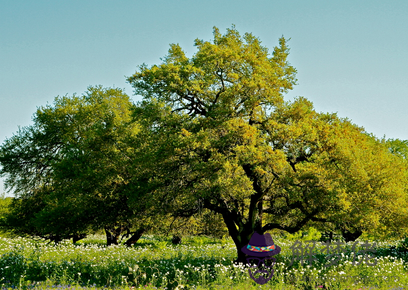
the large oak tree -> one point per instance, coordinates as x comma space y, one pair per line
221, 136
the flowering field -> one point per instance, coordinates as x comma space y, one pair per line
198, 263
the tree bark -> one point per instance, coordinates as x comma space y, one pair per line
239, 231
111, 237
78, 237
258, 225
135, 237
240, 236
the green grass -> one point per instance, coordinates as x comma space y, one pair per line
198, 263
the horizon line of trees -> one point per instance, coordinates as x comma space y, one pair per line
212, 134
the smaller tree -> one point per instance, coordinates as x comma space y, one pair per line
4, 210
69, 170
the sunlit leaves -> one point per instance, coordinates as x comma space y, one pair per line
228, 138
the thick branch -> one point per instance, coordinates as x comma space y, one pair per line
254, 208
292, 229
135, 237
231, 218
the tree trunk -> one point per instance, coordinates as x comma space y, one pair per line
350, 236
241, 257
56, 239
111, 237
240, 237
78, 237
135, 237
240, 231
259, 225
241, 241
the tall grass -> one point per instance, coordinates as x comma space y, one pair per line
198, 263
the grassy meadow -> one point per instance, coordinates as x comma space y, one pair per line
197, 263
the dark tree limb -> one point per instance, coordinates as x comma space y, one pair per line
135, 237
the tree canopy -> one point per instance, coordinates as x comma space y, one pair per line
398, 147
69, 168
212, 132
223, 137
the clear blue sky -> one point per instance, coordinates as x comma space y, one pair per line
351, 56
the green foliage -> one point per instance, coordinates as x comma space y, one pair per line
200, 263
69, 169
210, 224
213, 140
404, 244
311, 234
13, 266
398, 147
205, 222
4, 211
219, 135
